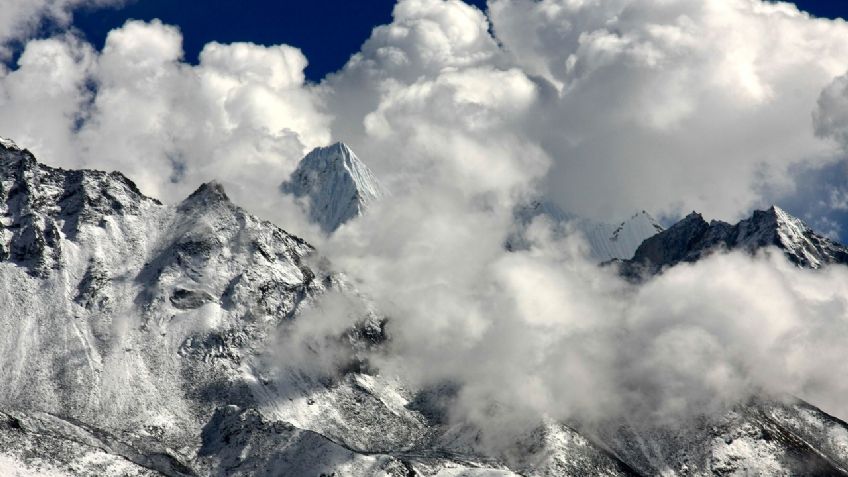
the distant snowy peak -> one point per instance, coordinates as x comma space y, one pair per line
606, 241
336, 184
693, 238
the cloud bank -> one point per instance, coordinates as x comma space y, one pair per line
22, 18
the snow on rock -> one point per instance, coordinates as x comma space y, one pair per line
606, 241
761, 437
126, 325
135, 339
40, 444
8, 144
335, 185
239, 442
693, 238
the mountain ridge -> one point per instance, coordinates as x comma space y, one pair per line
605, 241
693, 238
137, 338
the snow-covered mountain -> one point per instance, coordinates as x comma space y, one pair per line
139, 339
693, 237
335, 185
135, 339
606, 241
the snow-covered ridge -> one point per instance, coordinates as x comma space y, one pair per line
8, 144
606, 241
136, 339
135, 323
336, 185
693, 237
42, 206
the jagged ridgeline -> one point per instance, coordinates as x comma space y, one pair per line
694, 238
135, 339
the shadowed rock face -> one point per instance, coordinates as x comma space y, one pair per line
693, 238
334, 185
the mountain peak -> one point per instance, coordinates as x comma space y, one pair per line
607, 241
629, 234
209, 191
336, 184
6, 143
693, 238
208, 194
14, 158
342, 148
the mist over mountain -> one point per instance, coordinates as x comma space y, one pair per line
194, 339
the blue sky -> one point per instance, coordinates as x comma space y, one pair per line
328, 31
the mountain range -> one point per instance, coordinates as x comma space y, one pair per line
138, 338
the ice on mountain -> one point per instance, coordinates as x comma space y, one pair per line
334, 184
606, 241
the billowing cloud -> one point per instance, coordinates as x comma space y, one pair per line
545, 332
676, 105
831, 115
243, 115
611, 107
45, 97
669, 107
23, 17
666, 106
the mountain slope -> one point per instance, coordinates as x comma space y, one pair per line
693, 238
336, 185
113, 301
761, 437
137, 322
138, 338
606, 241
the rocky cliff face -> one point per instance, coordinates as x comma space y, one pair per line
693, 238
